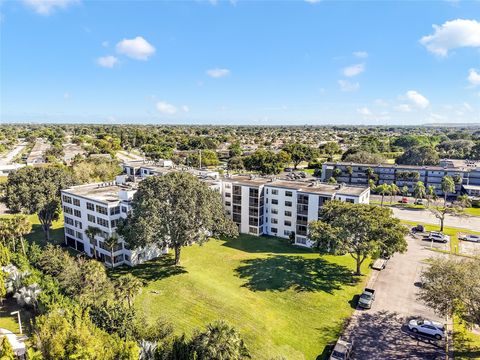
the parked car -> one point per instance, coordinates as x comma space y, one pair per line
288, 169
366, 299
438, 237
418, 228
469, 237
403, 200
379, 264
418, 202
342, 350
427, 327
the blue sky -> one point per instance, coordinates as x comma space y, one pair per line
240, 62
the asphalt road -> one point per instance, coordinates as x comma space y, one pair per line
380, 333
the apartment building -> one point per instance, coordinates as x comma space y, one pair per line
404, 175
258, 205
101, 206
283, 208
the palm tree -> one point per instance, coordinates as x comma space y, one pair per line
431, 194
21, 227
111, 243
91, 232
148, 350
127, 287
349, 172
219, 341
28, 296
419, 190
448, 186
383, 189
394, 190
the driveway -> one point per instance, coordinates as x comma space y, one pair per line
380, 333
425, 216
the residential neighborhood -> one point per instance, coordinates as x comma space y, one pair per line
233, 180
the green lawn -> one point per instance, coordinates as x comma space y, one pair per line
56, 232
473, 211
284, 300
466, 343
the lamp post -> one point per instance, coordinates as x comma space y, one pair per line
19, 319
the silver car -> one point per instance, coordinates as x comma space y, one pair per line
474, 238
427, 327
341, 351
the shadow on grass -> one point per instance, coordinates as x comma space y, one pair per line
280, 273
37, 235
264, 244
10, 305
157, 269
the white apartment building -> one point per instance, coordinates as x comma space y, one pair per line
258, 205
263, 206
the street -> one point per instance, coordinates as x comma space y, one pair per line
379, 333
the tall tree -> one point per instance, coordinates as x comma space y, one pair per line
175, 210
91, 232
431, 194
383, 189
447, 186
111, 243
357, 229
419, 191
127, 287
36, 190
6, 350
394, 190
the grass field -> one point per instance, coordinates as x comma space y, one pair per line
465, 342
284, 300
56, 232
473, 211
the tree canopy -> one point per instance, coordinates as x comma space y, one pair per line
360, 230
175, 210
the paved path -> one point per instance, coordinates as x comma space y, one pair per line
380, 333
7, 158
127, 156
424, 216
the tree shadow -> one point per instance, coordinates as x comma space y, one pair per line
383, 335
465, 348
10, 305
264, 244
37, 236
280, 273
157, 269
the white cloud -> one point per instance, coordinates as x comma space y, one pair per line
313, 1
137, 48
380, 102
107, 61
354, 70
360, 54
166, 108
403, 108
452, 34
46, 7
348, 86
364, 111
417, 99
474, 77
185, 108
218, 73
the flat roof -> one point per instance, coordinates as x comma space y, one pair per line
414, 167
302, 186
471, 187
102, 192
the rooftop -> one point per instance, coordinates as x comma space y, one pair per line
102, 192
413, 167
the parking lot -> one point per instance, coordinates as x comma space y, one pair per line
380, 333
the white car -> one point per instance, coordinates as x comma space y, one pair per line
341, 351
474, 238
439, 237
427, 327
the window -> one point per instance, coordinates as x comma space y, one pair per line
67, 199
68, 210
228, 195
286, 232
301, 240
288, 213
90, 206
76, 202
288, 203
228, 203
288, 223
228, 186
274, 221
79, 235
274, 192
78, 224
91, 218
274, 230
252, 230
115, 210
77, 213
102, 222
102, 210
68, 220
350, 200
274, 211
274, 202
288, 193
124, 209
70, 231
114, 223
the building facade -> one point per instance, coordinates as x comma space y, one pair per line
258, 205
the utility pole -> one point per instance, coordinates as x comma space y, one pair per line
19, 319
